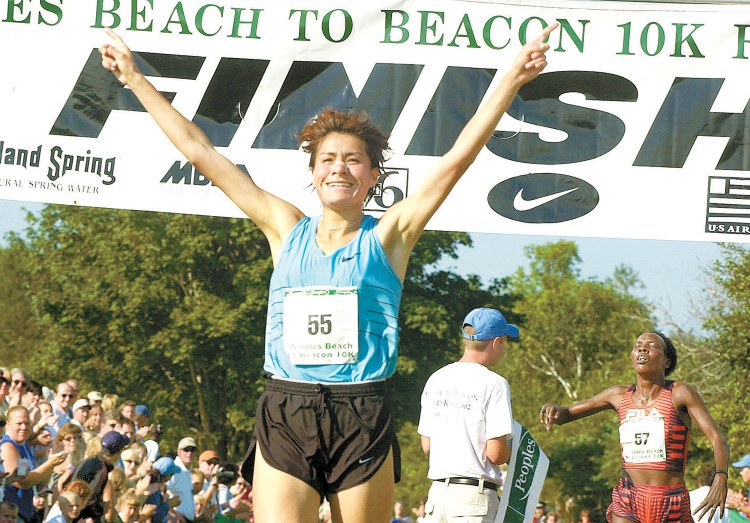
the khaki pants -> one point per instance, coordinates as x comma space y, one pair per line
472, 504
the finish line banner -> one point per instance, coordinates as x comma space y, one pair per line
525, 479
638, 128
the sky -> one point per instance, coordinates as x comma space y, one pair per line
675, 274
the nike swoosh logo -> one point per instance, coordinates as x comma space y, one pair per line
350, 258
365, 460
521, 204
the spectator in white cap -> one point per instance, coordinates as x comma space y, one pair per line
80, 410
181, 483
95, 397
466, 422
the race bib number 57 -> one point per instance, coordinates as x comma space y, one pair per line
642, 440
321, 325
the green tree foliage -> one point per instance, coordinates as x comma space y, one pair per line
574, 328
730, 325
19, 331
166, 309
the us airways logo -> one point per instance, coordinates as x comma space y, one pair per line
728, 205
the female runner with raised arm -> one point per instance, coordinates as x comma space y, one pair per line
656, 415
324, 424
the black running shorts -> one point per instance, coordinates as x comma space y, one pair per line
332, 437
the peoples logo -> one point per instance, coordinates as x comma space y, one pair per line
543, 198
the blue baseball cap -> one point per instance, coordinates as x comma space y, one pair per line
113, 442
744, 462
166, 466
488, 324
141, 410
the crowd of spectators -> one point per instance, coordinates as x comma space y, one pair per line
70, 455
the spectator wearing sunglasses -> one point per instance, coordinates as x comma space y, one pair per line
208, 464
69, 439
110, 420
181, 483
131, 458
19, 380
65, 395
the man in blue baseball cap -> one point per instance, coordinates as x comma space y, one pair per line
141, 420
487, 324
743, 464
736, 499
466, 423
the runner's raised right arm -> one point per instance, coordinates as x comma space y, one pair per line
552, 414
274, 216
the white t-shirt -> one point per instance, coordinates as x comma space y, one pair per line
54, 515
221, 497
696, 498
152, 450
181, 484
463, 406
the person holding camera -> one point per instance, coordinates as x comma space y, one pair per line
208, 463
217, 497
19, 461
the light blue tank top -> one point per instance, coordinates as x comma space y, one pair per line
361, 264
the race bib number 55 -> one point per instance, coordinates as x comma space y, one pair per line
321, 325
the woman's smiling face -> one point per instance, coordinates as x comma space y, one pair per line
343, 173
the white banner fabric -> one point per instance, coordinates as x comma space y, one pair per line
638, 128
